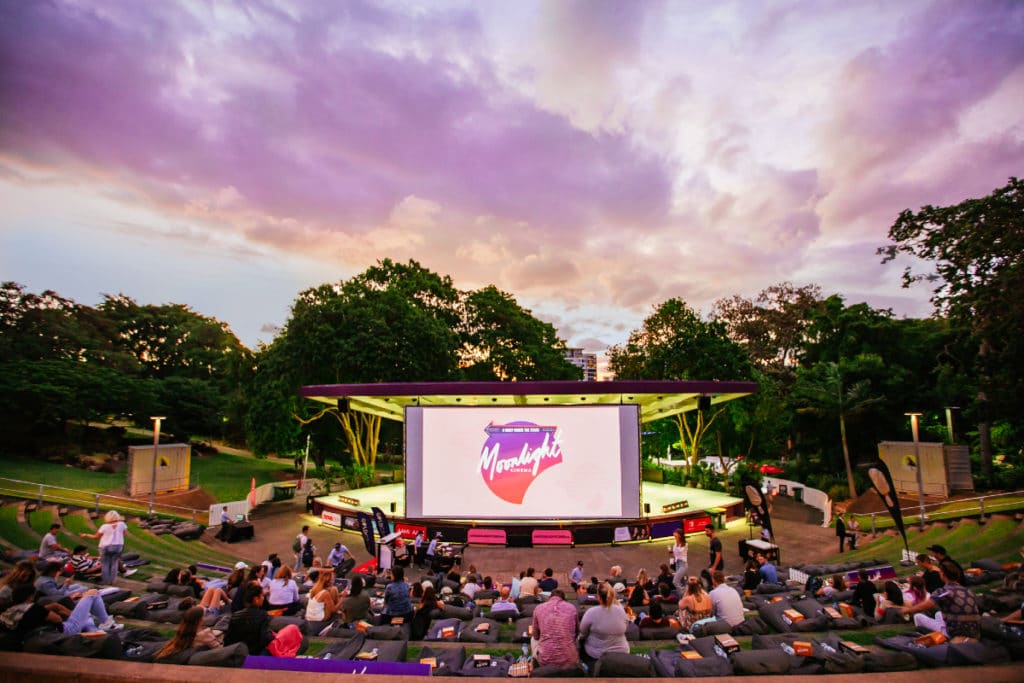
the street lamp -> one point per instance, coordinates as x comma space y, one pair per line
917, 466
156, 453
949, 422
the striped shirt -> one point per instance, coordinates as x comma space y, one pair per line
554, 625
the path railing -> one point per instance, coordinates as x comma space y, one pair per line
46, 493
978, 506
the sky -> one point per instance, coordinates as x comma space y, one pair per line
592, 158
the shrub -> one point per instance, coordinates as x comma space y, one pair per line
838, 492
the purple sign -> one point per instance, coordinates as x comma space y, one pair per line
337, 666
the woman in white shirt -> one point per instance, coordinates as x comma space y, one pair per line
284, 594
111, 535
679, 558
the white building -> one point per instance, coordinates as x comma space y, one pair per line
585, 361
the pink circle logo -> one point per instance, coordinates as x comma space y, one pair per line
515, 454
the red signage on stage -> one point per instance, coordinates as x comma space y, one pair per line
328, 518
552, 537
487, 537
693, 525
409, 531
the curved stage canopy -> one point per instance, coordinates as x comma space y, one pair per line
655, 398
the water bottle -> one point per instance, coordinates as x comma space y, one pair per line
788, 649
327, 656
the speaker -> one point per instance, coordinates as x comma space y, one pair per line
647, 508
704, 403
342, 405
392, 508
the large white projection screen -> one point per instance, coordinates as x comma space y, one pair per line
558, 462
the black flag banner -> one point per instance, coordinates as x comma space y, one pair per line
383, 528
881, 482
366, 528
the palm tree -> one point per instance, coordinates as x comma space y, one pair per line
820, 391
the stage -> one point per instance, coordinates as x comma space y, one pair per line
664, 508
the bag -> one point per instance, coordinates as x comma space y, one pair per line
12, 616
297, 545
286, 642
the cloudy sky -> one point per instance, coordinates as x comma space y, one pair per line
593, 158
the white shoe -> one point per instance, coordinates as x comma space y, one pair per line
129, 572
110, 625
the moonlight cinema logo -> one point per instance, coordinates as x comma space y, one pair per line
515, 454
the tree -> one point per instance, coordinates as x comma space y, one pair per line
976, 250
394, 322
502, 340
676, 343
771, 327
821, 390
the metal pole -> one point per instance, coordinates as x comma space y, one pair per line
40, 495
917, 461
949, 422
156, 451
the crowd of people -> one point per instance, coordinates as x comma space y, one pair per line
565, 632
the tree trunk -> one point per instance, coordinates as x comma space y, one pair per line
985, 446
846, 457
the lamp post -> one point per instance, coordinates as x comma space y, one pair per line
917, 466
949, 422
156, 454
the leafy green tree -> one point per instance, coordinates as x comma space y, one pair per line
393, 322
503, 340
822, 390
674, 342
772, 327
976, 253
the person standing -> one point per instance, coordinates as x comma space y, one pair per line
853, 531
432, 550
841, 532
299, 545
225, 525
111, 535
715, 560
419, 549
680, 562
576, 576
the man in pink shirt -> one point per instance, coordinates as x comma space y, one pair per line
555, 627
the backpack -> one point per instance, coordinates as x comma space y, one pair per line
297, 545
12, 616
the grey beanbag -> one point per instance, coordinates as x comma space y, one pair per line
228, 656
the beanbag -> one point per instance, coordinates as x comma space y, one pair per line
527, 609
936, 655
770, 588
179, 657
669, 664
497, 667
344, 649
144, 652
470, 634
632, 632
278, 623
180, 591
389, 632
232, 656
455, 612
749, 627
557, 672
879, 662
115, 596
666, 632
772, 615
977, 652
157, 586
622, 665
387, 650
437, 627
760, 662
987, 564
772, 641
711, 628
137, 608
50, 642
449, 660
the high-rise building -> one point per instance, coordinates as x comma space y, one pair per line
585, 361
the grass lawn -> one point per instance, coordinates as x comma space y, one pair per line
228, 477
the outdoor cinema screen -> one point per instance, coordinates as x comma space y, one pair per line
556, 462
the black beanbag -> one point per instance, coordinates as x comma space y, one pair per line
760, 662
450, 660
622, 665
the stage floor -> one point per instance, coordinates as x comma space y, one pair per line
655, 495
